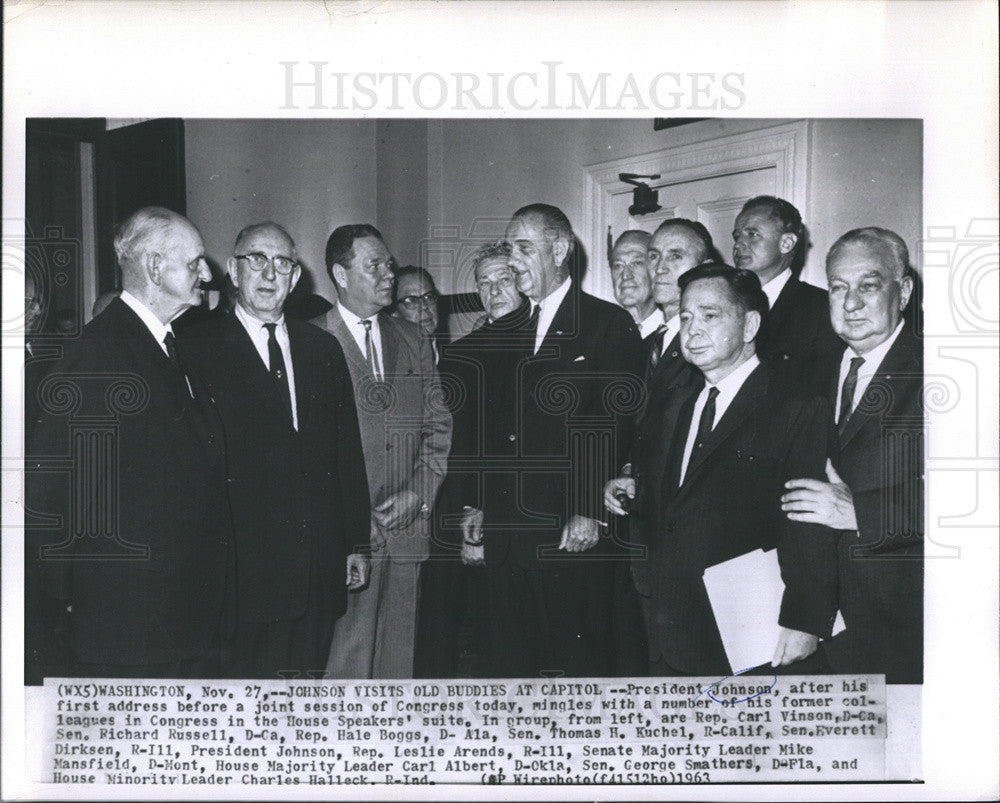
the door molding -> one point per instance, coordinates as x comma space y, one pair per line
784, 147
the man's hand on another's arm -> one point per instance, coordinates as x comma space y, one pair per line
815, 502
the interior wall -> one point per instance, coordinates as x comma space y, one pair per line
308, 175
401, 196
862, 172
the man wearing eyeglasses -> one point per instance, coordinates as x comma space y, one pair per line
299, 503
417, 302
406, 434
126, 460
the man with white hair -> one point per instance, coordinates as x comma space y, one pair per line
875, 488
141, 541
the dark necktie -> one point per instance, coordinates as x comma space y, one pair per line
370, 351
278, 372
655, 349
533, 325
171, 345
847, 392
707, 419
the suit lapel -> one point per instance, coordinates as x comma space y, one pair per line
563, 322
742, 405
347, 342
390, 345
901, 358
304, 373
783, 304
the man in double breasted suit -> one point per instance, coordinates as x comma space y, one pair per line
298, 499
769, 239
873, 497
405, 433
711, 490
125, 474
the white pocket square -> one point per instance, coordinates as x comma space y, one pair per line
581, 358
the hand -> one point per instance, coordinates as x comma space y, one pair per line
617, 486
398, 510
829, 503
793, 645
358, 567
580, 534
472, 530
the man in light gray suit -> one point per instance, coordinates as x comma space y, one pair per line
406, 435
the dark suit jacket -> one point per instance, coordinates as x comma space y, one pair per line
880, 457
728, 505
148, 588
577, 399
299, 499
797, 336
404, 421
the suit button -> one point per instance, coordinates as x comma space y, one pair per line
512, 437
388, 446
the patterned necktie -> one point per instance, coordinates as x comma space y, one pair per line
847, 393
707, 420
277, 363
370, 351
655, 349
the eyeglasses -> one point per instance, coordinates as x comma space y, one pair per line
411, 302
258, 261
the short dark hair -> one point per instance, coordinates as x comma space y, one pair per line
744, 285
779, 209
695, 227
340, 246
554, 220
415, 270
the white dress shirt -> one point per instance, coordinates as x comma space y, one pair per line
259, 336
673, 327
651, 323
728, 387
356, 327
549, 305
873, 360
774, 287
158, 328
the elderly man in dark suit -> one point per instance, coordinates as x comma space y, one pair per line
565, 406
769, 239
873, 498
405, 433
728, 443
299, 502
140, 546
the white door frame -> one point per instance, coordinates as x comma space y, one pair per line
783, 147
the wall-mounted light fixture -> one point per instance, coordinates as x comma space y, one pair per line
644, 197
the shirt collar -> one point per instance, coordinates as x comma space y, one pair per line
651, 323
730, 384
252, 323
353, 320
552, 301
873, 359
774, 287
156, 327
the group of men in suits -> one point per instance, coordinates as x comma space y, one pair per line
779, 417
248, 498
219, 521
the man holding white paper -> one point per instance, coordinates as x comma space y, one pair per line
711, 491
